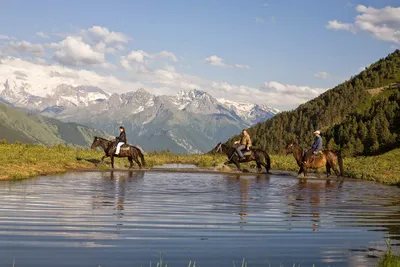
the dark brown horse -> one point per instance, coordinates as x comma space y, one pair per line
252, 155
127, 151
327, 158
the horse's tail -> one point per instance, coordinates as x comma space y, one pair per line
340, 162
142, 158
267, 160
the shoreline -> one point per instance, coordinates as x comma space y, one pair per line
22, 161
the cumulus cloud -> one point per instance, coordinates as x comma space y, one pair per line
336, 25
140, 58
49, 76
219, 62
321, 75
74, 52
292, 94
166, 54
98, 33
26, 47
43, 35
383, 24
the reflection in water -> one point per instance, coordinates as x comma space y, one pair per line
128, 218
112, 190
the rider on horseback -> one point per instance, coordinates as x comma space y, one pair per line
120, 140
244, 143
316, 147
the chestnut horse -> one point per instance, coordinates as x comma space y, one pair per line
327, 158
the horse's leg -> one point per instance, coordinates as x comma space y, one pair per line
135, 158
328, 169
237, 164
259, 168
337, 172
130, 162
112, 161
300, 171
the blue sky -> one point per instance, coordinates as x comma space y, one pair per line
269, 49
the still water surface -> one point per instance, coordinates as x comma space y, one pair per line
128, 218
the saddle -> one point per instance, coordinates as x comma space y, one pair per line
317, 154
246, 152
124, 147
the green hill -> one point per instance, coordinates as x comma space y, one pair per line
359, 117
17, 125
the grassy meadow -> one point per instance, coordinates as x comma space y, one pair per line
20, 161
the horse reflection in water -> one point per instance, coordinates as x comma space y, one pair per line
308, 199
244, 184
113, 190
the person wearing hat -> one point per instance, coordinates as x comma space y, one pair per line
317, 146
121, 139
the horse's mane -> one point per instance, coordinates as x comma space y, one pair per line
101, 138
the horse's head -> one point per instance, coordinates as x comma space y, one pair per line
96, 142
217, 148
289, 148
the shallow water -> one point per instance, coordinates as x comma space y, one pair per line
128, 218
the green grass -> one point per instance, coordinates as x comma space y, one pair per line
389, 259
20, 161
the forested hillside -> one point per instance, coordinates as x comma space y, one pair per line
17, 125
359, 116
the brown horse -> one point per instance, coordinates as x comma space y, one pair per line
127, 151
252, 155
327, 158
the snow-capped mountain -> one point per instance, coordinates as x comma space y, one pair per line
188, 122
252, 113
22, 94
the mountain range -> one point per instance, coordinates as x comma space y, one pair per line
188, 122
18, 125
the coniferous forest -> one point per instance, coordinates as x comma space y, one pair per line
358, 117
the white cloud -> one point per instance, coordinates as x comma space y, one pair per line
98, 33
321, 75
219, 62
49, 76
102, 48
141, 58
137, 56
26, 47
291, 95
43, 35
74, 52
215, 61
166, 54
383, 24
52, 45
4, 37
337, 25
